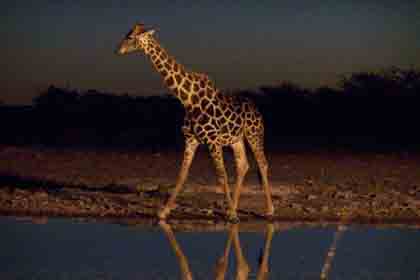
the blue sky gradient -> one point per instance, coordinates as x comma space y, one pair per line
240, 44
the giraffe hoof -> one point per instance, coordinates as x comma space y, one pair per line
233, 218
165, 226
269, 215
270, 211
163, 213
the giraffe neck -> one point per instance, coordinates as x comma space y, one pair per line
188, 87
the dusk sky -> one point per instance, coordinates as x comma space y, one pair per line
240, 44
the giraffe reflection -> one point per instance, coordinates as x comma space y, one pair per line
242, 266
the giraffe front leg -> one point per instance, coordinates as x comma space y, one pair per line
191, 145
263, 167
257, 147
217, 155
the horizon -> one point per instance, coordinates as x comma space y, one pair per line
71, 44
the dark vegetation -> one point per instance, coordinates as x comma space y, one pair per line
367, 111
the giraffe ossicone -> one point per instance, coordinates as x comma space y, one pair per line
211, 118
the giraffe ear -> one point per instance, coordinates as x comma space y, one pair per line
138, 28
150, 32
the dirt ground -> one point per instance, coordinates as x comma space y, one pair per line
307, 186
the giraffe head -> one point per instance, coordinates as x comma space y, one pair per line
136, 40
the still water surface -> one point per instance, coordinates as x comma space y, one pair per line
68, 249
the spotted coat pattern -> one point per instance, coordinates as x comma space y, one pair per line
211, 118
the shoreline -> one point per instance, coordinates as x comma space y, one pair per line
318, 187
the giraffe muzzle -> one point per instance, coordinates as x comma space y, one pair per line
119, 51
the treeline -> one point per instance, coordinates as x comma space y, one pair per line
367, 110
63, 117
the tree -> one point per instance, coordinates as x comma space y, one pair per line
387, 82
54, 98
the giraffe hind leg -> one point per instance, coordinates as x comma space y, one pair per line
255, 139
242, 167
217, 155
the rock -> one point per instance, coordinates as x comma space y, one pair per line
309, 182
348, 195
19, 192
41, 195
296, 206
146, 187
309, 210
372, 195
325, 208
311, 197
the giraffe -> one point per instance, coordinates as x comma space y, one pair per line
211, 118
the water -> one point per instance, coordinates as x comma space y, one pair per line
68, 249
